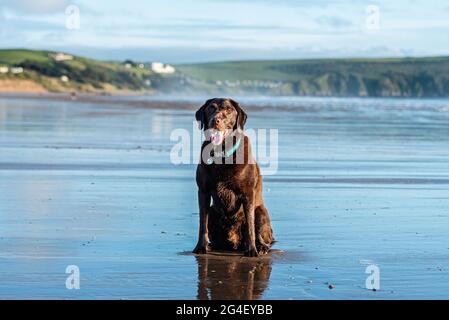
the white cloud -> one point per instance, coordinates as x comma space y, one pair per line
242, 27
36, 6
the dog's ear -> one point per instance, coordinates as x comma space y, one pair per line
200, 116
241, 115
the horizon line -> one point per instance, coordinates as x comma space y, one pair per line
246, 60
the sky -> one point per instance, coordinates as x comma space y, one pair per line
187, 31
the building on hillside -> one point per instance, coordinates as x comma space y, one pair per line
4, 69
61, 56
64, 78
159, 67
129, 64
16, 70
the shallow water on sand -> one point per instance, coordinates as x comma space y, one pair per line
360, 182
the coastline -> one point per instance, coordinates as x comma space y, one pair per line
105, 98
21, 86
51, 86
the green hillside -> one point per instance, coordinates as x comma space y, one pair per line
407, 77
394, 77
79, 73
15, 57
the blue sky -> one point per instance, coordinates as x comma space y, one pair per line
194, 31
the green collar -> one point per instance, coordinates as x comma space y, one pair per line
234, 148
228, 153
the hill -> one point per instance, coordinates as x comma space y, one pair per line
63, 72
394, 77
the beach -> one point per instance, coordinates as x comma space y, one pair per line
87, 181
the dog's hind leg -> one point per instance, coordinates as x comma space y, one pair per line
220, 231
264, 233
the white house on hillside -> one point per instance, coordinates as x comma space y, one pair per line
61, 56
16, 70
159, 67
4, 69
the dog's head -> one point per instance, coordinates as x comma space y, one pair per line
219, 117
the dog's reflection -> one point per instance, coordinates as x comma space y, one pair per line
232, 277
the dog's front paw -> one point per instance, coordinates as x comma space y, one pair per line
252, 252
201, 249
263, 249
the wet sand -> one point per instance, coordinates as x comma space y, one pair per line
90, 183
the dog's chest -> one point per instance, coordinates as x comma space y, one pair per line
225, 198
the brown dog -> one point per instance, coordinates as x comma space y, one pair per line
229, 175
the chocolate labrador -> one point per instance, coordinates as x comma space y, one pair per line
228, 174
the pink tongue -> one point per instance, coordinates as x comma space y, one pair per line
216, 137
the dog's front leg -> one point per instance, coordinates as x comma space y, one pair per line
250, 229
203, 237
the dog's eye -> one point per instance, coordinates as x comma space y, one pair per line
211, 108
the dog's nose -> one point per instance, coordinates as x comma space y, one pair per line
217, 121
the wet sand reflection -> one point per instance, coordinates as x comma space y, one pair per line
228, 276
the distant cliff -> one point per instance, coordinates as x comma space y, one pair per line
406, 77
